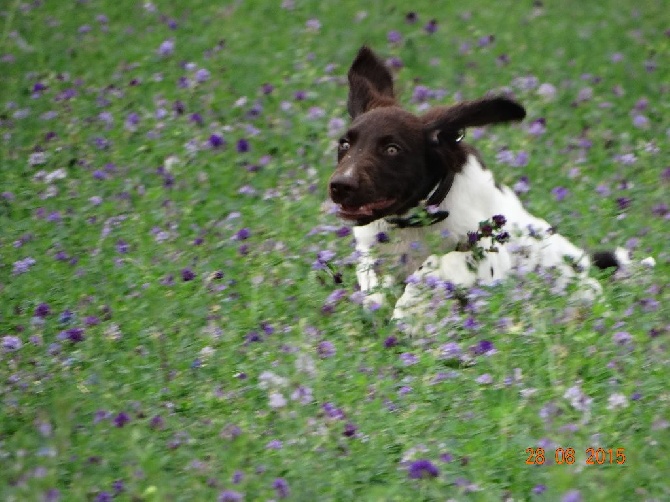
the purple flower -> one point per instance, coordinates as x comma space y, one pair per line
431, 26
382, 237
242, 234
422, 469
121, 419
622, 338
74, 335
411, 17
42, 310
22, 266
349, 430
572, 496
421, 93
408, 359
275, 444
539, 489
230, 496
267, 88
483, 347
242, 146
450, 350
104, 497
11, 343
313, 24
560, 193
522, 186
641, 121
537, 127
333, 411
486, 40
202, 75
391, 341
281, 488
216, 141
394, 37
166, 48
187, 275
326, 349
498, 220
157, 422
132, 120
484, 379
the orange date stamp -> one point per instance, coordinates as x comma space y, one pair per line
568, 456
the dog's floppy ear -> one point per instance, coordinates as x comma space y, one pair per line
370, 83
448, 122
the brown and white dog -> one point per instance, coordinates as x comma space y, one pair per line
401, 177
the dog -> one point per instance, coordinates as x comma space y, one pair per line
401, 178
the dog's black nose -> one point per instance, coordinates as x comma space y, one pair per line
342, 186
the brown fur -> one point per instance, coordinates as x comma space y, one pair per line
392, 158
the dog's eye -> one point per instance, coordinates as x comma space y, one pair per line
344, 145
392, 149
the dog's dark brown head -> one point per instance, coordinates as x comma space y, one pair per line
390, 159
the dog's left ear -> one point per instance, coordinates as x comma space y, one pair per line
370, 83
448, 122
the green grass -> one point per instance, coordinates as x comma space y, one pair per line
183, 360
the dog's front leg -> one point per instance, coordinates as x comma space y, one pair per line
368, 281
459, 268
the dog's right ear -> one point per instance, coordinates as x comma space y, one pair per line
370, 83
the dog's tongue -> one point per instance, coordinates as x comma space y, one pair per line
354, 212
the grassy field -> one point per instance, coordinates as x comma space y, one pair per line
178, 309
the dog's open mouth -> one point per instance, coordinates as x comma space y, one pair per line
365, 211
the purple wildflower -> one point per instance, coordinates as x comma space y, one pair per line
394, 37
132, 120
11, 343
622, 338
326, 349
408, 359
411, 17
537, 127
498, 221
187, 275
22, 266
202, 75
243, 146
391, 341
641, 121
422, 469
539, 489
522, 186
484, 379
349, 430
74, 335
230, 496
281, 488
166, 48
242, 234
382, 237
121, 419
560, 193
431, 26
313, 24
42, 310
572, 496
216, 141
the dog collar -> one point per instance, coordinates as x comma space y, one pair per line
421, 216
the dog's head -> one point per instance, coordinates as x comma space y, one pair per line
390, 159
